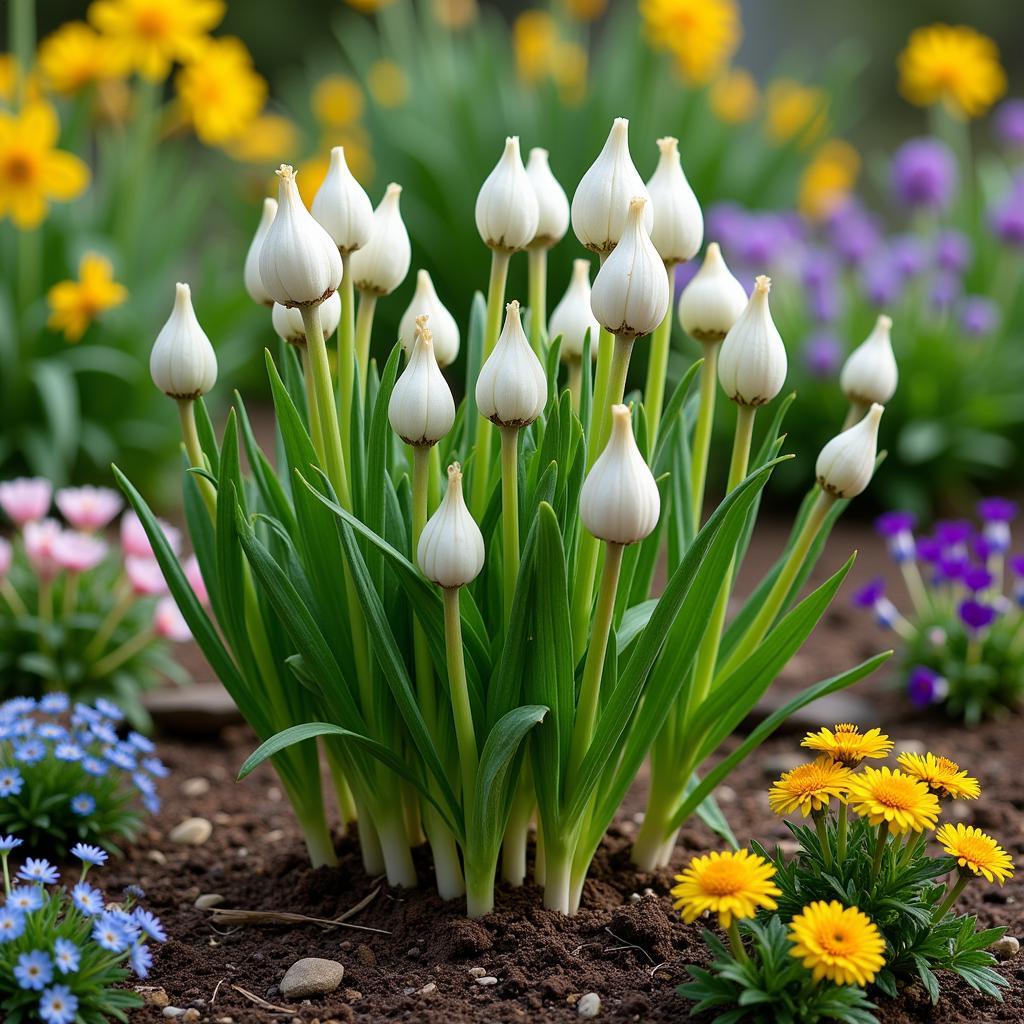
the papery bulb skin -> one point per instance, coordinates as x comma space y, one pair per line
251, 273
451, 548
512, 388
619, 501
288, 325
713, 300
573, 317
600, 207
678, 230
380, 266
630, 295
421, 409
506, 206
870, 373
183, 364
342, 206
752, 364
299, 262
552, 202
847, 463
443, 328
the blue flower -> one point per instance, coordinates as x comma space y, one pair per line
156, 767
39, 870
84, 715
34, 970
122, 756
54, 703
150, 924
143, 783
58, 1005
126, 922
94, 766
89, 854
108, 709
68, 752
83, 804
51, 731
19, 705
29, 752
141, 959
8, 843
11, 782
151, 803
104, 731
140, 742
25, 898
66, 955
87, 899
12, 924
110, 933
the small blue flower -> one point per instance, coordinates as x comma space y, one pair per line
94, 766
121, 756
25, 898
141, 959
39, 870
108, 709
104, 731
143, 783
135, 891
150, 924
84, 715
12, 924
51, 731
11, 782
156, 767
151, 803
66, 955
68, 752
54, 703
87, 899
83, 804
110, 934
58, 1005
89, 854
29, 752
142, 743
24, 727
8, 843
19, 705
34, 970
125, 921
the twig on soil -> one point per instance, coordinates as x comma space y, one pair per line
213, 998
625, 945
273, 1007
244, 917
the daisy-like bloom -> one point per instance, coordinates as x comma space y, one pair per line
901, 801
66, 955
150, 924
702, 35
141, 959
74, 57
976, 852
74, 305
795, 111
846, 744
839, 943
12, 924
8, 843
32, 170
34, 970
83, 805
39, 870
338, 101
110, 934
58, 1005
954, 65
828, 179
11, 783
809, 787
734, 96
169, 623
87, 854
732, 885
25, 500
88, 508
25, 898
88, 900
942, 776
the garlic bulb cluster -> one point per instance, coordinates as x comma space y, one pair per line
380, 266
421, 410
713, 301
288, 325
451, 548
870, 373
506, 206
573, 316
512, 387
443, 328
752, 364
847, 463
342, 206
619, 501
552, 202
251, 271
183, 364
678, 222
299, 262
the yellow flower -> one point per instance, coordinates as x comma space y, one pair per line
886, 795
976, 851
9, 76
368, 6
269, 139
387, 83
75, 304
455, 14
828, 179
586, 10
76, 56
32, 171
734, 96
941, 776
954, 65
847, 744
337, 101
702, 35
809, 787
534, 41
836, 942
150, 35
570, 72
793, 109
733, 885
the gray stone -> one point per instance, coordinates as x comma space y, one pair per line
589, 1005
311, 977
191, 832
208, 900
1005, 948
487, 980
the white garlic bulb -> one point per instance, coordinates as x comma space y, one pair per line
678, 222
183, 364
870, 373
443, 328
506, 206
451, 548
251, 272
713, 301
573, 317
342, 206
512, 389
847, 463
288, 323
752, 364
552, 202
380, 266
421, 410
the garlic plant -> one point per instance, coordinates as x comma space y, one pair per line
465, 679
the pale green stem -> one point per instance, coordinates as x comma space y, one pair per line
117, 657
346, 359
21, 27
822, 829
735, 942
538, 288
316, 434
702, 430
465, 734
70, 599
943, 907
854, 414
509, 515
876, 862
513, 844
13, 598
190, 435
558, 862
575, 371
841, 833
119, 610
915, 586
657, 366
46, 600
364, 332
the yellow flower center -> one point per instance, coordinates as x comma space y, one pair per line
720, 878
153, 22
899, 794
20, 167
838, 943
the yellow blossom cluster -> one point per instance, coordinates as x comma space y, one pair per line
543, 54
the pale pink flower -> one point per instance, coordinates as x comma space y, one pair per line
40, 540
78, 552
88, 508
135, 542
6, 554
195, 579
169, 623
26, 499
145, 576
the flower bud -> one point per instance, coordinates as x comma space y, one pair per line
251, 273
619, 501
678, 222
573, 317
299, 262
600, 206
451, 548
26, 499
421, 409
752, 363
506, 207
443, 328
846, 464
870, 374
512, 388
713, 301
630, 293
552, 202
342, 206
288, 323
380, 266
182, 363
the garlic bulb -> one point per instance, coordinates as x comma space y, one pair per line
182, 363
630, 294
678, 222
573, 317
752, 364
299, 262
552, 202
870, 373
619, 501
443, 328
600, 206
251, 273
342, 206
847, 463
511, 389
506, 206
288, 323
713, 301
380, 266
451, 548
421, 409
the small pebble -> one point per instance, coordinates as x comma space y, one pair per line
220, 818
157, 857
413, 952
191, 832
908, 746
194, 787
208, 900
782, 761
274, 795
428, 988
477, 972
487, 979
589, 1005
1005, 948
275, 835
173, 1011
635, 897
154, 997
311, 976
191, 1016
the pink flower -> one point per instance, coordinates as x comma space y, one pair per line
169, 623
6, 554
40, 540
88, 508
78, 552
135, 542
195, 578
26, 499
145, 576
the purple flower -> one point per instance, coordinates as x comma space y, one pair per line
1017, 565
984, 549
822, 354
975, 615
924, 174
760, 241
925, 687
897, 528
817, 268
870, 593
87, 854
1007, 219
150, 924
8, 843
945, 292
11, 782
685, 273
880, 282
951, 567
725, 223
979, 316
908, 255
997, 510
976, 578
825, 303
854, 233
1009, 122
951, 533
953, 250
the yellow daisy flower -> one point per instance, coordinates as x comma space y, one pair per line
809, 787
954, 65
74, 57
839, 943
75, 304
702, 35
847, 744
269, 139
794, 110
733, 885
337, 101
534, 42
828, 179
976, 851
886, 795
940, 775
734, 96
388, 84
32, 170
